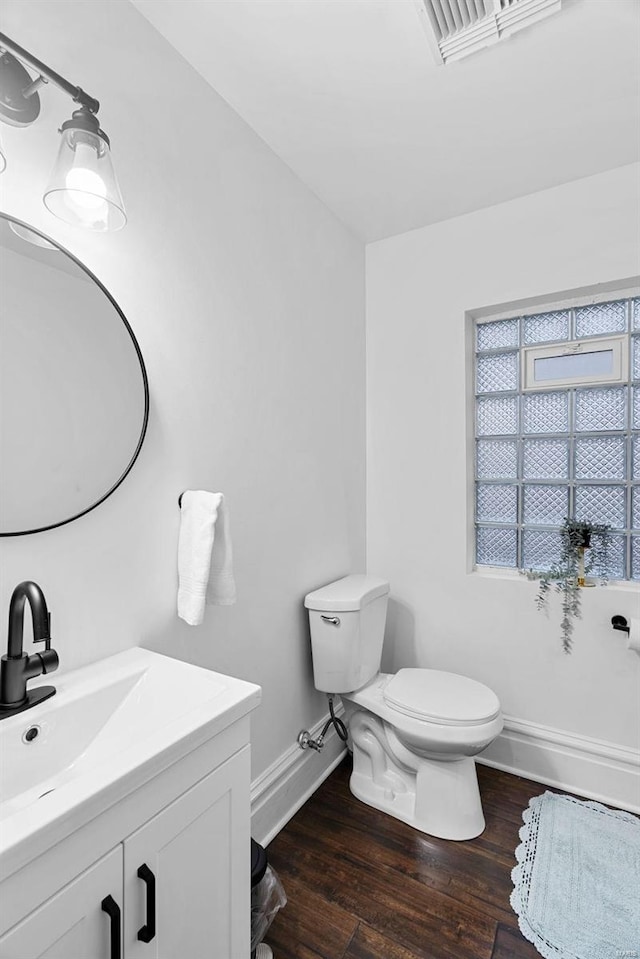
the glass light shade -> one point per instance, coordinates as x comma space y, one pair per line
26, 234
83, 189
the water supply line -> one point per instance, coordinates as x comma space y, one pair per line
304, 737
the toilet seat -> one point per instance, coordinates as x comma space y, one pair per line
435, 696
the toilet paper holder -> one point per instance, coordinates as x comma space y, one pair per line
621, 623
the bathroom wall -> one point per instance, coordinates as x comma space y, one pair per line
247, 298
419, 286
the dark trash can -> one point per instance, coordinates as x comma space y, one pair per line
258, 862
267, 896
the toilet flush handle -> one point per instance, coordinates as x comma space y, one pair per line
331, 619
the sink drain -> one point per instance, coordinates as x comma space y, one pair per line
30, 734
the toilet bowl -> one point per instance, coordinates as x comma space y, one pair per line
414, 733
415, 761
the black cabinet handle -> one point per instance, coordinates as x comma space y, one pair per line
112, 909
147, 932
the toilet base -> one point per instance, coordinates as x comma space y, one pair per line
437, 797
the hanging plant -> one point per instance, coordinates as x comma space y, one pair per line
584, 550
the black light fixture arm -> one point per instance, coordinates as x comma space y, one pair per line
47, 75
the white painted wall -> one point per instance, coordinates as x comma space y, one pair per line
419, 286
247, 298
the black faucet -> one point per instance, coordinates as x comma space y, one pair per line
16, 668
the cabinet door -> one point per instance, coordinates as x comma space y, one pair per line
195, 857
72, 924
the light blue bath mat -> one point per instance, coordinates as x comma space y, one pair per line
577, 882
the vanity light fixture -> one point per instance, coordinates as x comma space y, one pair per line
83, 189
31, 236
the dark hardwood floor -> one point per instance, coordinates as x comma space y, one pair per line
362, 885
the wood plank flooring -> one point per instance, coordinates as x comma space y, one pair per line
362, 885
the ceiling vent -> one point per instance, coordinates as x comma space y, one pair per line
458, 28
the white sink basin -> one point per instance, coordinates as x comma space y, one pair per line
132, 713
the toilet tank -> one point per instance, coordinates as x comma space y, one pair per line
347, 630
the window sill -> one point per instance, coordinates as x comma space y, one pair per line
513, 575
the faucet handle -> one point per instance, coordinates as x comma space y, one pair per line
49, 658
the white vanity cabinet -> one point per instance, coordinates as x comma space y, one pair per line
177, 888
193, 850
71, 924
156, 865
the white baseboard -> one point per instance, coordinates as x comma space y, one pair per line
589, 767
285, 786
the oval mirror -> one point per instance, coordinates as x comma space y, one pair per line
74, 398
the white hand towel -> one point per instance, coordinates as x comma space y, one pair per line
205, 556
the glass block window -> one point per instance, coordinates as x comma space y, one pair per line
545, 459
498, 415
601, 318
497, 372
546, 327
544, 454
544, 505
500, 335
545, 412
600, 457
540, 548
496, 546
635, 514
601, 409
635, 557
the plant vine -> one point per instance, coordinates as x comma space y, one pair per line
582, 542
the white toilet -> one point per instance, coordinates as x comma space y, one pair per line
413, 733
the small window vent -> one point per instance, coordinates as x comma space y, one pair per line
458, 28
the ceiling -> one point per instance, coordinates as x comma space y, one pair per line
348, 94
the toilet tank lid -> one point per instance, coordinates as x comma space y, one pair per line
351, 593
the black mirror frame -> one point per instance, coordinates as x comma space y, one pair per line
143, 371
